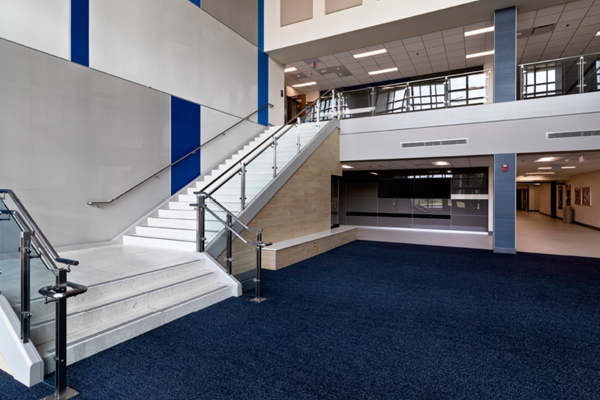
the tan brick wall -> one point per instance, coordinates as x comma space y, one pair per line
282, 258
4, 365
301, 207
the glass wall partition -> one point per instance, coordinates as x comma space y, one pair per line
455, 199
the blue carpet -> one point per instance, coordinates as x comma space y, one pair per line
373, 320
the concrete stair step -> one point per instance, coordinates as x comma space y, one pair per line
172, 244
88, 342
166, 233
172, 223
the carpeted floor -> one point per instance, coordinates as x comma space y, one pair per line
373, 320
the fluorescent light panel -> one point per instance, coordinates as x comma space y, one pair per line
374, 173
567, 167
598, 34
547, 159
290, 69
440, 163
305, 84
384, 71
480, 31
540, 173
370, 53
347, 167
485, 53
544, 167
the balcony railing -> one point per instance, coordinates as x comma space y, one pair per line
570, 75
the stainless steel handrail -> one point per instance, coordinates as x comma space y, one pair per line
37, 232
101, 203
257, 243
267, 139
558, 59
408, 83
226, 211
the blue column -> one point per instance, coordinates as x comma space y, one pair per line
185, 137
197, 2
80, 32
263, 68
505, 203
505, 55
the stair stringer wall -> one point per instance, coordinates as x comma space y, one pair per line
262, 200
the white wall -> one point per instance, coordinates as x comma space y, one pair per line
175, 47
584, 214
276, 85
40, 24
371, 13
513, 127
71, 135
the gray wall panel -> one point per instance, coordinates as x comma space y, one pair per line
239, 16
505, 203
505, 55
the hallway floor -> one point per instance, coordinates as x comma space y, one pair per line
537, 233
372, 320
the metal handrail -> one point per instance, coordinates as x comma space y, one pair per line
37, 232
101, 203
257, 243
266, 140
558, 59
226, 211
408, 83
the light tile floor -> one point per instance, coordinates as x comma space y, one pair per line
537, 233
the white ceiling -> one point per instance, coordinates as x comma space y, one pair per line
575, 26
526, 163
454, 162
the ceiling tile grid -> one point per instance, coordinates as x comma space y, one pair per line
573, 32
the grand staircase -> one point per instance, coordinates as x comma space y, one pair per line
173, 226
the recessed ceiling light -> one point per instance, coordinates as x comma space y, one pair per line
440, 163
485, 53
347, 167
291, 69
598, 34
370, 53
540, 173
547, 159
305, 84
383, 71
374, 173
544, 167
480, 31
568, 167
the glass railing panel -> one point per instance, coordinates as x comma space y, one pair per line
42, 320
10, 258
259, 172
427, 95
552, 78
287, 147
591, 69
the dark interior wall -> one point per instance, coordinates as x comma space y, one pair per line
416, 199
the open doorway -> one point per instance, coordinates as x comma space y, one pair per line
522, 199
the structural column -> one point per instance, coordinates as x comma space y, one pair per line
505, 203
505, 55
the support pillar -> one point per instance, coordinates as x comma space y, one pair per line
505, 203
505, 55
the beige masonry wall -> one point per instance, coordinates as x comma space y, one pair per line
301, 207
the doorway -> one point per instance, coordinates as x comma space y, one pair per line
523, 199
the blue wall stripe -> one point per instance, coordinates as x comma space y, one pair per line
263, 87
185, 137
197, 2
80, 32
261, 24
505, 203
505, 55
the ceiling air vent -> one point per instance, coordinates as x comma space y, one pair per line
540, 30
563, 135
448, 142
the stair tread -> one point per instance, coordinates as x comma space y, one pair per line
48, 348
150, 237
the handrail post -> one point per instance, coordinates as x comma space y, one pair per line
447, 92
333, 105
274, 157
522, 82
257, 280
229, 259
243, 185
60, 355
318, 112
581, 74
298, 138
373, 102
200, 221
25, 314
